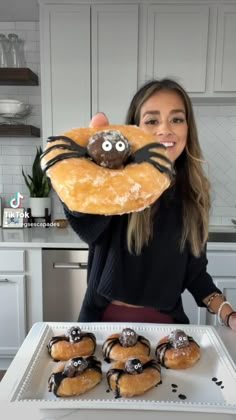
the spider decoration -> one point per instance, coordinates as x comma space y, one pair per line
177, 339
127, 338
133, 366
73, 368
110, 149
74, 335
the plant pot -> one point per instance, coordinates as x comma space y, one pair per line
38, 206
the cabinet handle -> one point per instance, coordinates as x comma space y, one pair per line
74, 266
6, 281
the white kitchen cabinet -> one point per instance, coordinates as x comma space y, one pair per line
225, 61
12, 313
89, 57
222, 268
65, 67
12, 304
177, 44
20, 298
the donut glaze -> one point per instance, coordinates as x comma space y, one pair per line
75, 377
87, 187
145, 374
74, 343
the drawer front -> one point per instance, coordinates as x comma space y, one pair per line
222, 263
12, 260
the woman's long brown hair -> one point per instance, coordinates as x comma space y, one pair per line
190, 178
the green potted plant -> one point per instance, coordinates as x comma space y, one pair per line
39, 186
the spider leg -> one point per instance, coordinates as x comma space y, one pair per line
66, 140
57, 158
145, 154
82, 151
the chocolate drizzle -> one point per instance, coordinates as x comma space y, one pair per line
121, 372
162, 348
114, 341
56, 378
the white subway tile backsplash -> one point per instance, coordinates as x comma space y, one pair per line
26, 26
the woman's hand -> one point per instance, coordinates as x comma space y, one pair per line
99, 120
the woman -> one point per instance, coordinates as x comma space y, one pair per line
140, 264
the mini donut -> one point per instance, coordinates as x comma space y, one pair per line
107, 170
74, 343
134, 376
77, 376
177, 351
127, 343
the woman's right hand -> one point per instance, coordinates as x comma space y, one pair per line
99, 120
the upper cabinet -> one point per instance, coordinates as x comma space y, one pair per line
177, 44
89, 60
225, 63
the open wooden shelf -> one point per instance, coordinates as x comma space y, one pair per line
18, 77
21, 130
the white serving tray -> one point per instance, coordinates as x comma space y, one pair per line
203, 394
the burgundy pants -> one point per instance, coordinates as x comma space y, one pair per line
119, 313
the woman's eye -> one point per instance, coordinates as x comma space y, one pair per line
178, 120
151, 122
106, 146
120, 146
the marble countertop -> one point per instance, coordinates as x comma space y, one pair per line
52, 237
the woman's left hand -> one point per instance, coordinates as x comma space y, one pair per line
232, 322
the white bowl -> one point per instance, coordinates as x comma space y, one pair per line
10, 109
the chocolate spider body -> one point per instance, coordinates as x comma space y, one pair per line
110, 149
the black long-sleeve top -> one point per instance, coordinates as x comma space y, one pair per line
156, 278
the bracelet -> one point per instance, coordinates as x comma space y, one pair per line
210, 300
219, 311
227, 318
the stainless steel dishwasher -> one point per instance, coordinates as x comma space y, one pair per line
64, 283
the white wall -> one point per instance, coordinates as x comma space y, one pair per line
216, 126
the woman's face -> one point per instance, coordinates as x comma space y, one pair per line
163, 115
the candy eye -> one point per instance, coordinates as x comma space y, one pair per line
180, 338
136, 366
73, 332
79, 362
75, 364
120, 146
128, 333
185, 338
132, 333
106, 146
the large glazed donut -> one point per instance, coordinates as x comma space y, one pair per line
97, 188
127, 343
74, 343
75, 377
177, 351
134, 376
